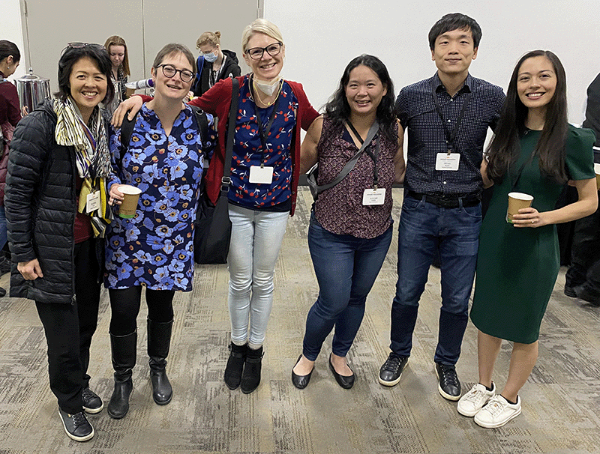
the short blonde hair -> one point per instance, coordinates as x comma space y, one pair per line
209, 38
260, 26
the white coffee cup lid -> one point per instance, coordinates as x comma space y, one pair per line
520, 196
127, 189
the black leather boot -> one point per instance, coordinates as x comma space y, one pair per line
252, 367
159, 342
235, 365
123, 358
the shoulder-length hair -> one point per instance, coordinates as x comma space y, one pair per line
118, 41
71, 55
504, 149
338, 109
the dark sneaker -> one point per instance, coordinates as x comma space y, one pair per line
390, 372
583, 292
570, 291
91, 401
449, 386
76, 426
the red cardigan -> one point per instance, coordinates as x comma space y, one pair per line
217, 102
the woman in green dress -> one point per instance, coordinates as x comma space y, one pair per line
534, 151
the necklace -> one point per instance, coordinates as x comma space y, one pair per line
256, 92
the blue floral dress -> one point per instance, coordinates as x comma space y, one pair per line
156, 247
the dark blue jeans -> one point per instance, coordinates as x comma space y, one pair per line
346, 269
424, 229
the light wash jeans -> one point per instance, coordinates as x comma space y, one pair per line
256, 238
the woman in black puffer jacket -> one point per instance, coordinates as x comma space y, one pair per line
59, 157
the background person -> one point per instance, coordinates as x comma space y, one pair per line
271, 110
213, 63
534, 151
55, 234
10, 114
349, 238
583, 277
119, 57
164, 159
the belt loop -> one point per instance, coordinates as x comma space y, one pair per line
460, 202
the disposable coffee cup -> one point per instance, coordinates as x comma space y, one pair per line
597, 169
131, 195
516, 201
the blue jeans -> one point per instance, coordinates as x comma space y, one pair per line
256, 238
346, 269
424, 229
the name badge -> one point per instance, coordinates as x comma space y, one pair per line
261, 175
92, 202
445, 161
374, 196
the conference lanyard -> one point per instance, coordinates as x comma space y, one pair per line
450, 136
262, 132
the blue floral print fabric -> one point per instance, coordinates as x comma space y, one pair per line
248, 150
156, 247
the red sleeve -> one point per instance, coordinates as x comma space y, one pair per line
11, 106
210, 100
308, 114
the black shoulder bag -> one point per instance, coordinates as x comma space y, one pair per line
213, 227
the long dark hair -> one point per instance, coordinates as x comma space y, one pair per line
338, 109
504, 149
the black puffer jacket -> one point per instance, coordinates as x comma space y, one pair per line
231, 69
40, 208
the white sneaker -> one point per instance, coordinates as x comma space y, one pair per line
474, 400
497, 412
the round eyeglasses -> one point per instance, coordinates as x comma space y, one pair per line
256, 53
170, 71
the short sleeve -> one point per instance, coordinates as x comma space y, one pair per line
580, 154
402, 108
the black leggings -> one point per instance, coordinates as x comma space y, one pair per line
125, 307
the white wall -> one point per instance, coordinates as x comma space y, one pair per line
322, 36
10, 26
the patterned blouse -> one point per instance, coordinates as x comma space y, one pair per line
156, 247
340, 209
248, 151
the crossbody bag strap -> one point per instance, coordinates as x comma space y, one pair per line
235, 89
352, 162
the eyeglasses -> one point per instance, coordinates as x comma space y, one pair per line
256, 53
170, 71
81, 46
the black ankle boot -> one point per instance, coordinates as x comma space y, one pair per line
159, 342
123, 359
251, 375
235, 365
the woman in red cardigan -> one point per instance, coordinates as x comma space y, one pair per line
264, 178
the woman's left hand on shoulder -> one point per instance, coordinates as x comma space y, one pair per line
529, 217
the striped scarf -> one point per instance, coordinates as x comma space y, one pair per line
92, 157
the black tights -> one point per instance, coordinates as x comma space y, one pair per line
125, 307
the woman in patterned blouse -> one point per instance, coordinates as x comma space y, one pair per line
264, 176
351, 225
154, 249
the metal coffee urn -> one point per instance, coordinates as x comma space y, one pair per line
32, 90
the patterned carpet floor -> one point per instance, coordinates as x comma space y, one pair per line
561, 401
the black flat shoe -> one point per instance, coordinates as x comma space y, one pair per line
344, 381
301, 381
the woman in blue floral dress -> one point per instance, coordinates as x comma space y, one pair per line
155, 248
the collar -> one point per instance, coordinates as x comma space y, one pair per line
467, 87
